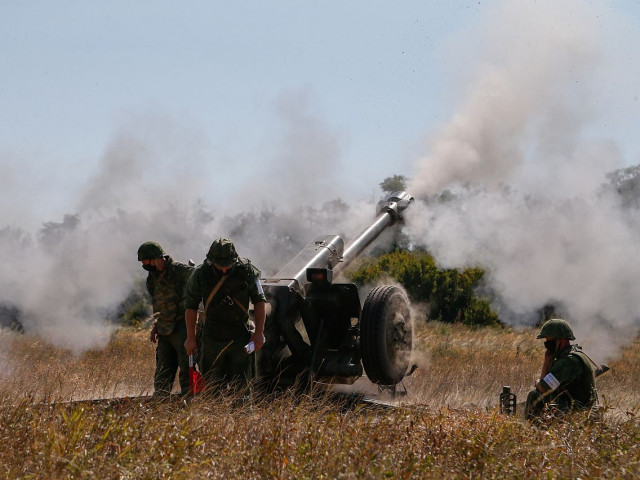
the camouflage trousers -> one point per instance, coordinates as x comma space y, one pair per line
171, 355
225, 363
562, 402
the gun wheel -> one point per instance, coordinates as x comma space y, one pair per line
386, 335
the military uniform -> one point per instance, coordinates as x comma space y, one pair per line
570, 382
167, 288
226, 328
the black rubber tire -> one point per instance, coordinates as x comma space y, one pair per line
386, 335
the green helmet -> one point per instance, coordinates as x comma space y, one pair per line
222, 253
149, 251
556, 328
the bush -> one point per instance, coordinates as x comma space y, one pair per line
136, 308
416, 272
479, 312
450, 293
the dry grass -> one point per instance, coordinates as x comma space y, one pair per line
446, 427
31, 367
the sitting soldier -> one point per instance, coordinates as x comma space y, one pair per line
568, 377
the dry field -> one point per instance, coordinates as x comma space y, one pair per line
445, 427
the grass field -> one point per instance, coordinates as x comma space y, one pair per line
446, 426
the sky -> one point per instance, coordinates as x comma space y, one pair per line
74, 73
377, 76
160, 120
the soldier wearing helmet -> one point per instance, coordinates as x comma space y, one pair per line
568, 378
225, 283
166, 283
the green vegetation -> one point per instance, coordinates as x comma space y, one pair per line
448, 293
135, 310
397, 183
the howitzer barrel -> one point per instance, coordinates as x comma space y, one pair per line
389, 212
327, 251
355, 248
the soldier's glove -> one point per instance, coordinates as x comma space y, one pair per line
153, 335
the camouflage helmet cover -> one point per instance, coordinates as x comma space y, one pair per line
556, 328
222, 253
149, 251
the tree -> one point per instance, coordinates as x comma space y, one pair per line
397, 183
399, 239
626, 181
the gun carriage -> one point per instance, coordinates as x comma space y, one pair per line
316, 328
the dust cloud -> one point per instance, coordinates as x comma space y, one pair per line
515, 181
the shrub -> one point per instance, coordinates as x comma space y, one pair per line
449, 292
136, 308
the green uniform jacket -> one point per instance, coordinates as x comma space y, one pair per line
167, 288
225, 319
572, 379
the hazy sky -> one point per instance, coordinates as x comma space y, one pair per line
377, 76
156, 120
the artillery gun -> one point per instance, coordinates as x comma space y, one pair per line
316, 329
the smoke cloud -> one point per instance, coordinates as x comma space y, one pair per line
523, 171
155, 181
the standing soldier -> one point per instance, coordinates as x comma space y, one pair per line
166, 284
567, 378
225, 283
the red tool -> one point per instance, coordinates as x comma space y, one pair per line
196, 382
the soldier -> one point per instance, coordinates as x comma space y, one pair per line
166, 284
225, 283
567, 379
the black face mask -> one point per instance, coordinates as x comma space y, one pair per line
149, 268
550, 345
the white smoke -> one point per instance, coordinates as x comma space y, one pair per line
66, 278
525, 167
156, 182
